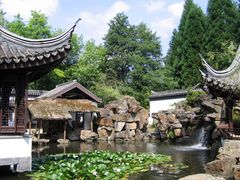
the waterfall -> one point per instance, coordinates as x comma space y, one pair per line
201, 140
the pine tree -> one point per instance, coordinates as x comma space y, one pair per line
186, 43
118, 43
192, 46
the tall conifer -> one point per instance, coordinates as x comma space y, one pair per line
185, 45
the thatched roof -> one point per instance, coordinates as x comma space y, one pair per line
58, 109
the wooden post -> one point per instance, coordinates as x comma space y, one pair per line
38, 130
30, 127
91, 121
64, 132
229, 108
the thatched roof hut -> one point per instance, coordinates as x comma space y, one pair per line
59, 109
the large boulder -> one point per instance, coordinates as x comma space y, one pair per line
87, 135
142, 118
118, 126
125, 116
133, 104
201, 177
222, 167
104, 133
236, 172
105, 121
132, 125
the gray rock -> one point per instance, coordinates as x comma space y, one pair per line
221, 167
236, 171
201, 177
88, 135
118, 126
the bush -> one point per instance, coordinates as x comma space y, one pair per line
194, 97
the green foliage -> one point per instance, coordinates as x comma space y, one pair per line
119, 47
222, 29
106, 92
194, 97
38, 27
3, 21
171, 134
236, 116
87, 69
186, 43
224, 57
98, 165
133, 58
18, 26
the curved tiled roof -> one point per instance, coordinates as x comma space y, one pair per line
169, 93
226, 82
19, 52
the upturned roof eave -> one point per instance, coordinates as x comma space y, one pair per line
219, 74
19, 50
41, 42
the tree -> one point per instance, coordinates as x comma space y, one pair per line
192, 46
174, 62
222, 29
146, 56
3, 21
38, 27
17, 26
133, 53
182, 58
119, 47
76, 47
87, 70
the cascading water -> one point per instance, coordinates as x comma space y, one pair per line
199, 141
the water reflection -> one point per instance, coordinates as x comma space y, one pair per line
194, 158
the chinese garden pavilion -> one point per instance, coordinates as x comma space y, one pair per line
225, 84
22, 61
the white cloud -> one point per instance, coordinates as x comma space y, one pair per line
117, 7
154, 5
176, 9
24, 7
95, 26
163, 27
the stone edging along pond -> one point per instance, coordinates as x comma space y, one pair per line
99, 165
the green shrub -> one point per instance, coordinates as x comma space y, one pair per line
194, 97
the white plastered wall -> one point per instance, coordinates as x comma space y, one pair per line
162, 104
15, 146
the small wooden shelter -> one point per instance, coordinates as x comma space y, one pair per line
225, 84
69, 102
58, 109
23, 60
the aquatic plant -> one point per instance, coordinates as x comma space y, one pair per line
96, 165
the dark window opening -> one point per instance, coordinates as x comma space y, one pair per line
7, 106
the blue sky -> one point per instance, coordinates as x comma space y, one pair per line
161, 16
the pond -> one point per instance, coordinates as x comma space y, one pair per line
193, 156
